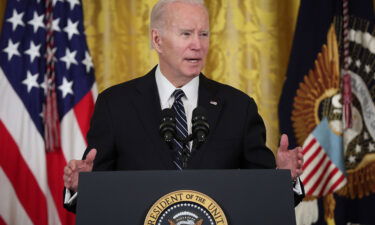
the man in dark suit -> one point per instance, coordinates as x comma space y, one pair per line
124, 132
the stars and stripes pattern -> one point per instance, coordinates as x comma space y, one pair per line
181, 126
30, 177
324, 171
321, 176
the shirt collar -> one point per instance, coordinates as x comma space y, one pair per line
166, 88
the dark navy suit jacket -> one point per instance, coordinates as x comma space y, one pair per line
124, 129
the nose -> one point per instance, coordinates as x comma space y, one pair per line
196, 42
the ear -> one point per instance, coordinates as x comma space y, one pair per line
156, 40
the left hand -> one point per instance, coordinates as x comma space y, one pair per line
289, 159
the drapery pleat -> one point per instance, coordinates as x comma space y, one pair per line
250, 46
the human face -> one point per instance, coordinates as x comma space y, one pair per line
182, 42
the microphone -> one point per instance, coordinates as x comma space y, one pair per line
167, 128
200, 126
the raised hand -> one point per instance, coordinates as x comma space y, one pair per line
74, 167
289, 159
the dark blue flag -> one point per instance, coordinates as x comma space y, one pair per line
327, 106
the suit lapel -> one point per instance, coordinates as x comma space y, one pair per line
147, 104
208, 99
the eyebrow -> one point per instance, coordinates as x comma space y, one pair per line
186, 30
191, 30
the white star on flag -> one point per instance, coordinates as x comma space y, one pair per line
37, 22
16, 20
358, 63
352, 159
30, 81
66, 87
71, 28
88, 62
367, 69
33, 51
11, 49
55, 25
358, 148
69, 58
73, 3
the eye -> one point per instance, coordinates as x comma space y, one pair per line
204, 34
186, 33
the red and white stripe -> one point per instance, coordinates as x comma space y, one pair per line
320, 176
31, 181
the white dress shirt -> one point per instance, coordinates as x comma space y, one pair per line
166, 89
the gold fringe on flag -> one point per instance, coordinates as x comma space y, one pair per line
361, 182
329, 203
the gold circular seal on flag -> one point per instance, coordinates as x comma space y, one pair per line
185, 207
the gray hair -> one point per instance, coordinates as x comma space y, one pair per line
158, 11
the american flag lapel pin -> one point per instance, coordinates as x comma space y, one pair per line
213, 102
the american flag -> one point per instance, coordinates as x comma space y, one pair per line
324, 170
45, 71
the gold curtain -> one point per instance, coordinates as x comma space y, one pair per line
250, 46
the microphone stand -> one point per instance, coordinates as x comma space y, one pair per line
200, 128
186, 154
185, 151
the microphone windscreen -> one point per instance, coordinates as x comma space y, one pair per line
199, 112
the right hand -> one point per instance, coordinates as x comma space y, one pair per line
74, 167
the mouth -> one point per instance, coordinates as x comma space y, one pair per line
193, 60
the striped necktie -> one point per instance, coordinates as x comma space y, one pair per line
181, 127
